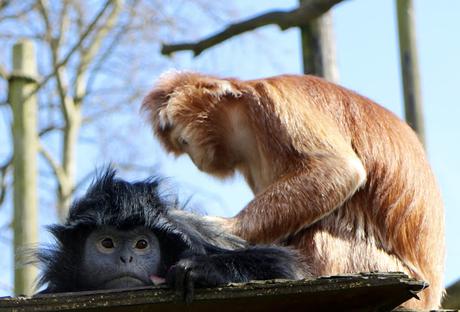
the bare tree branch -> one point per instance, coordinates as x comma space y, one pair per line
48, 129
14, 15
284, 19
54, 47
42, 8
83, 180
4, 4
102, 59
57, 169
54, 43
76, 46
88, 52
112, 108
3, 183
67, 105
3, 73
103, 112
110, 48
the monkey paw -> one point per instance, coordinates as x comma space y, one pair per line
196, 271
226, 224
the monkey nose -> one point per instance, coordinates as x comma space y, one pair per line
126, 259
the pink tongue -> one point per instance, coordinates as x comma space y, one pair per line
157, 280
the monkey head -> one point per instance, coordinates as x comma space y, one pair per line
181, 108
118, 235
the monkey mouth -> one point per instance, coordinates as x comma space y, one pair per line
124, 282
157, 280
197, 162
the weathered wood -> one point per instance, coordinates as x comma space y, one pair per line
25, 140
318, 47
360, 292
452, 298
409, 67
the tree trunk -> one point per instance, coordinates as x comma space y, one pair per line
71, 108
66, 187
409, 67
25, 137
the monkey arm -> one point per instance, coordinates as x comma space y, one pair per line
220, 267
258, 263
300, 198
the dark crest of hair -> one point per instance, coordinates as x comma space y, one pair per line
110, 201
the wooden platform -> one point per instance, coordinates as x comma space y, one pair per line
360, 292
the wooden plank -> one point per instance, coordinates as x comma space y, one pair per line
359, 292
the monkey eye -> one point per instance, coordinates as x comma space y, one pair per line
182, 141
107, 243
141, 244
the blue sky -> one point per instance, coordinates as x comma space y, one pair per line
368, 62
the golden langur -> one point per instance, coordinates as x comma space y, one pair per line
334, 174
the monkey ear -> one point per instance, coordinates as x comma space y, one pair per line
185, 87
175, 82
219, 87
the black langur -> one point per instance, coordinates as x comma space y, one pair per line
122, 234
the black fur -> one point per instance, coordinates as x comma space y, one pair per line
194, 250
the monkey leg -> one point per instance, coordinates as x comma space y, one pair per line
333, 251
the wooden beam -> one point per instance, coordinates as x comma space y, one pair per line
358, 292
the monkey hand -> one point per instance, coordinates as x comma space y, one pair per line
195, 271
226, 224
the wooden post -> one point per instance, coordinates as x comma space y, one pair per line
318, 48
409, 67
452, 298
25, 140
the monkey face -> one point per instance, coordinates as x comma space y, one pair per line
203, 149
115, 258
192, 117
207, 149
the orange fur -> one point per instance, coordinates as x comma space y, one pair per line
334, 174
